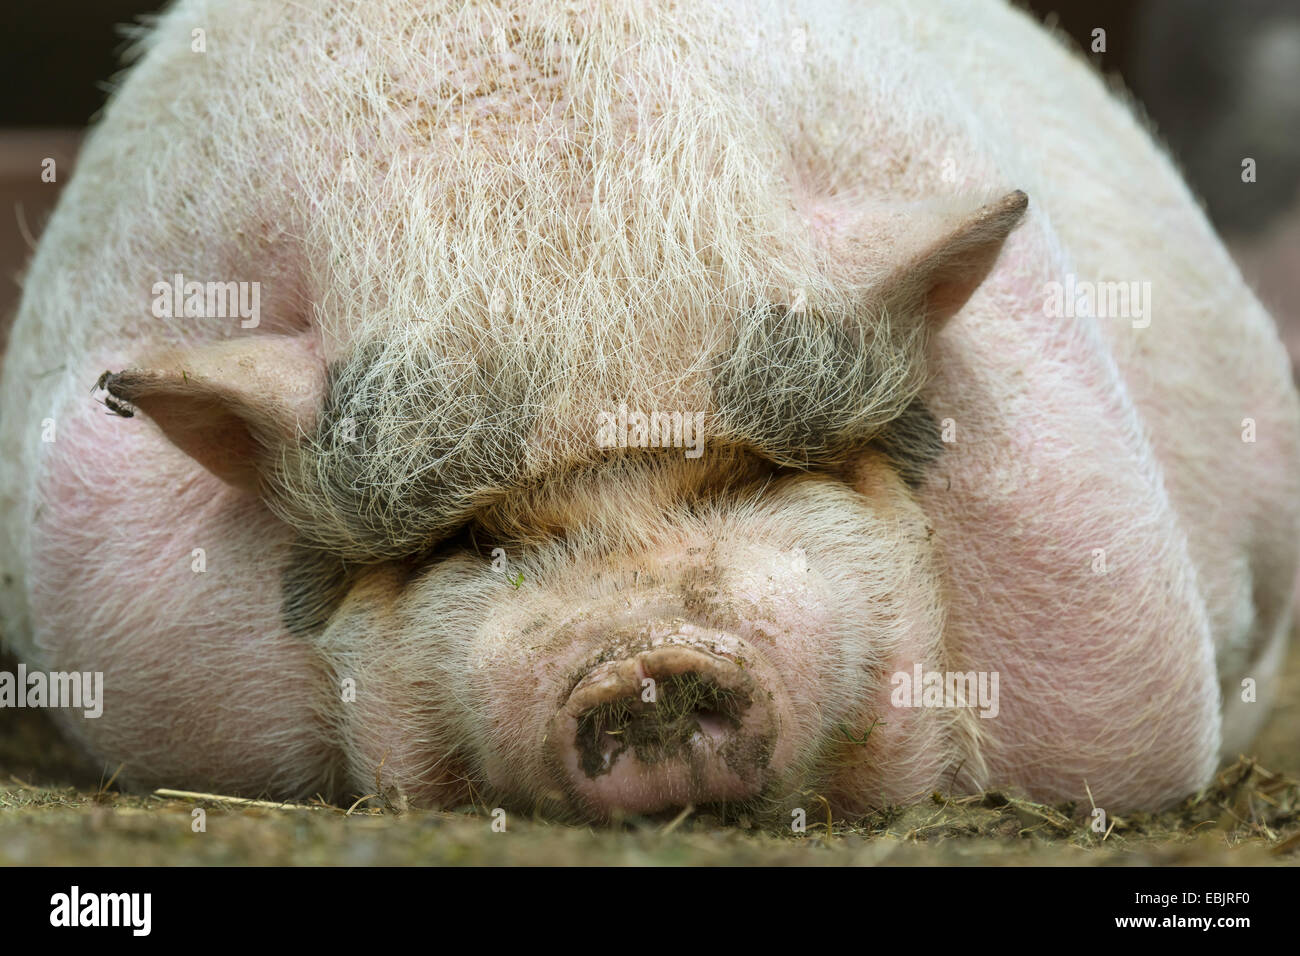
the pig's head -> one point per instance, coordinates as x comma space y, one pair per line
506, 605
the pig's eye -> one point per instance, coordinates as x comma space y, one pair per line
912, 441
466, 538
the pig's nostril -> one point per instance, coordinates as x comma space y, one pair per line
713, 723
601, 735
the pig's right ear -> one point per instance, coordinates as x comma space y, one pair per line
930, 257
231, 405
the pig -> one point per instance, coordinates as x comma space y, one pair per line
603, 410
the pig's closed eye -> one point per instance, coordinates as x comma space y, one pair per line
470, 538
314, 581
465, 539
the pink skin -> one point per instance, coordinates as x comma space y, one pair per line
250, 694
202, 684
1096, 668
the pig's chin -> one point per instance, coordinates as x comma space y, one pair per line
684, 715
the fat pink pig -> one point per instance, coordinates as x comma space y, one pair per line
604, 409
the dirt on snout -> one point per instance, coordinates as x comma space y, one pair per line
54, 809
659, 731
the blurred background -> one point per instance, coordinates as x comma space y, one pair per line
1219, 79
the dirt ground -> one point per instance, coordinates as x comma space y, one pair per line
56, 810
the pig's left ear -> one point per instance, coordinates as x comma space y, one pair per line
231, 405
940, 257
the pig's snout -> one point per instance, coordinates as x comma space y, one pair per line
669, 726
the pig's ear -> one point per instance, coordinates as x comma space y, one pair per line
231, 405
942, 256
